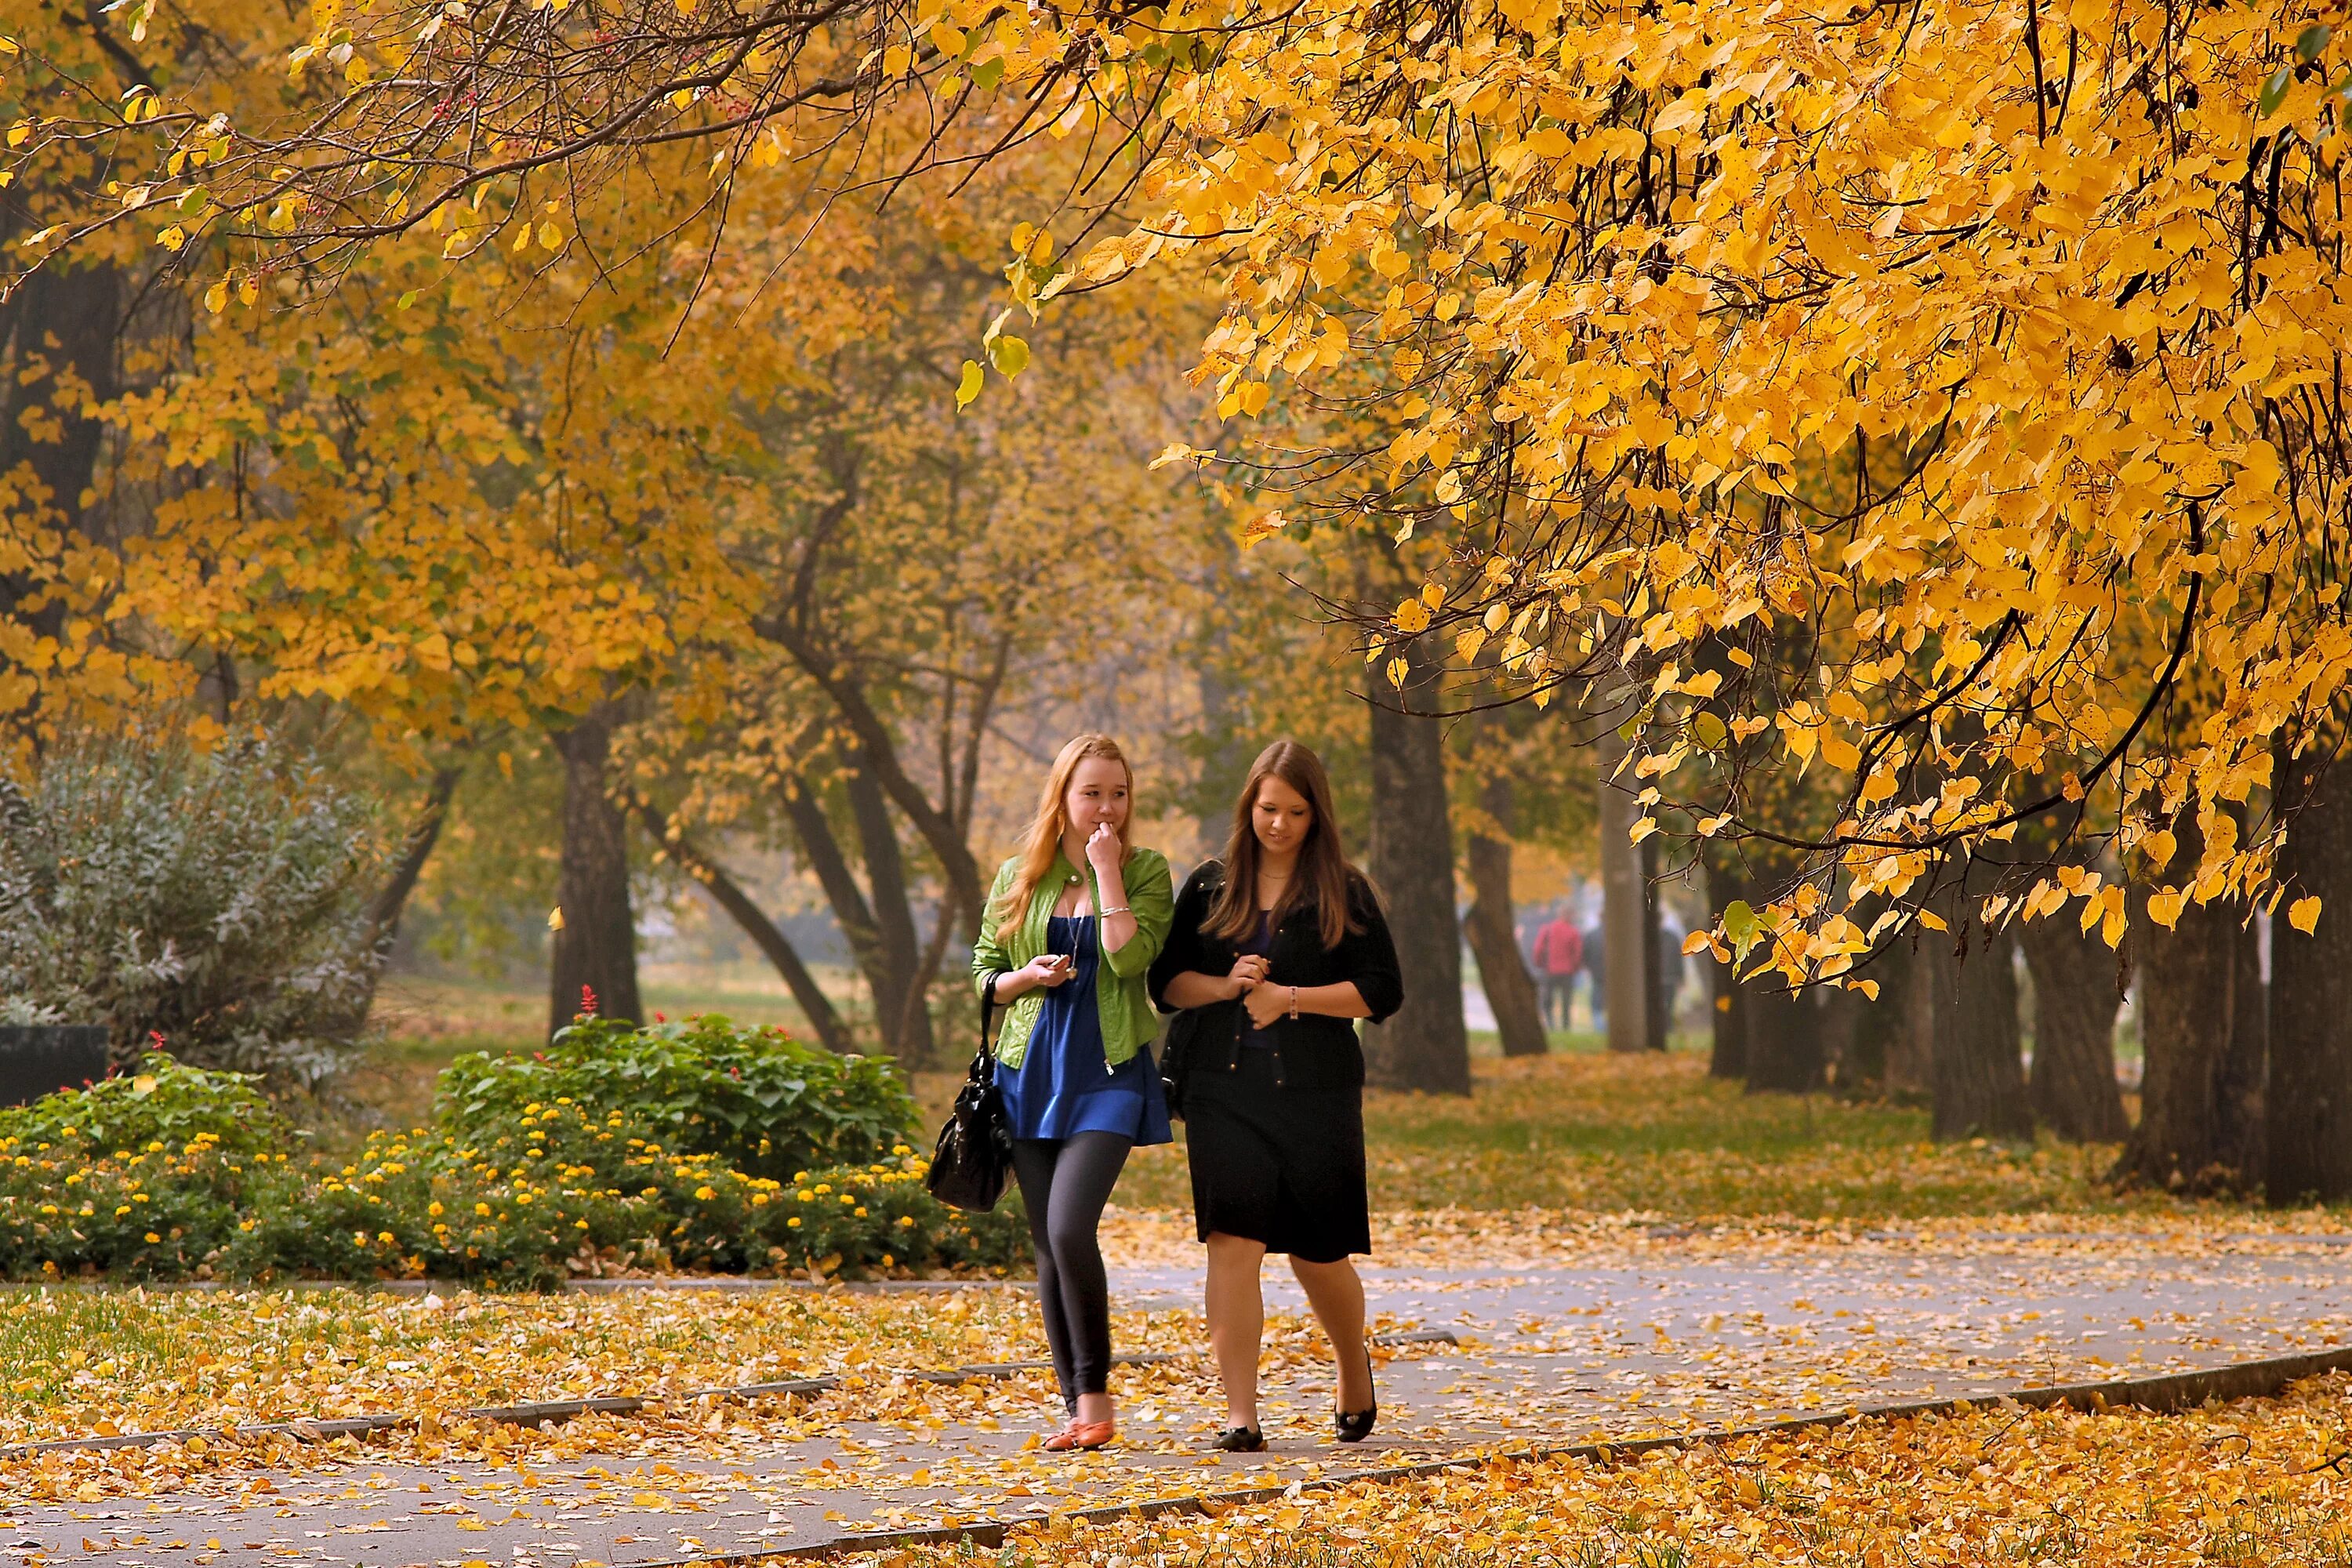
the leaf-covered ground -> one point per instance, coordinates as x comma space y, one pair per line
2257, 1482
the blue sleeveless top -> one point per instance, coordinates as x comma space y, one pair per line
1063, 1086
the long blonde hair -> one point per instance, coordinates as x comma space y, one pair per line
1042, 840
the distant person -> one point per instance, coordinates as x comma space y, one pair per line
1074, 921
1672, 964
1596, 969
1276, 950
1558, 959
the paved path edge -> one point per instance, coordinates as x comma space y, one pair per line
543, 1413
2163, 1394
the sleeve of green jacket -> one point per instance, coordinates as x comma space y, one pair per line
1153, 904
987, 954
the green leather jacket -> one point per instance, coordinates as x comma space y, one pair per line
1127, 1020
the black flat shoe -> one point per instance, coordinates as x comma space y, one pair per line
1240, 1440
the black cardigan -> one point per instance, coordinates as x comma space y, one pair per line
1313, 1051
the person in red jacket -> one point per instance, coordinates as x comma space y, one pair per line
1558, 959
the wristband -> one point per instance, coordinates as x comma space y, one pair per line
1293, 1002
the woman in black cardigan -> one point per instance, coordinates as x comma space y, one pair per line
1276, 950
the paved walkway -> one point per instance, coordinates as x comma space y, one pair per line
1561, 1355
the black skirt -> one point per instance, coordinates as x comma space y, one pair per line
1278, 1165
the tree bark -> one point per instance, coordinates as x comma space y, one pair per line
2073, 1089
1626, 976
1426, 1046
2308, 1108
1501, 973
1976, 1058
1657, 965
1911, 1045
880, 928
1728, 1059
902, 1004
2200, 1103
944, 828
1784, 1038
596, 948
384, 910
728, 895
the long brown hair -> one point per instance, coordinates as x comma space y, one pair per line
1043, 840
1323, 876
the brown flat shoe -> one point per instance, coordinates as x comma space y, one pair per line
1081, 1435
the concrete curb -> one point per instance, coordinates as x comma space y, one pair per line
548, 1412
2162, 1394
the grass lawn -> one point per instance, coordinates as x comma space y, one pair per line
1653, 1134
1579, 1130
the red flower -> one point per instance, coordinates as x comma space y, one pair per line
587, 1001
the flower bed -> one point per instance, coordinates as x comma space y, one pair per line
211, 1185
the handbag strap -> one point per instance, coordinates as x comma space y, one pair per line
987, 1060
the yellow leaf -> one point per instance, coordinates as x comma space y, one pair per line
1642, 829
216, 297
2304, 915
967, 387
2164, 908
555, 915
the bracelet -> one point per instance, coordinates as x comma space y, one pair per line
1115, 909
1293, 1002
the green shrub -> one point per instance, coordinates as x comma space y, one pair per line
163, 1103
215, 897
760, 1100
177, 1179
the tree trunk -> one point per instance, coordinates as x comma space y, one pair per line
2199, 1120
1911, 1045
384, 910
1658, 967
1975, 1059
1624, 919
1425, 1046
2073, 1090
595, 951
1728, 1059
2308, 1108
1501, 973
728, 895
1784, 1038
902, 1002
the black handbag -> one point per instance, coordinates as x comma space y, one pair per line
974, 1153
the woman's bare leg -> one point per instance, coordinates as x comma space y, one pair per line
1337, 1294
1236, 1308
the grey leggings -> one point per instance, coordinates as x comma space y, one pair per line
1064, 1183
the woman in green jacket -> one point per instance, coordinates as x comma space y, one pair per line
1068, 949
